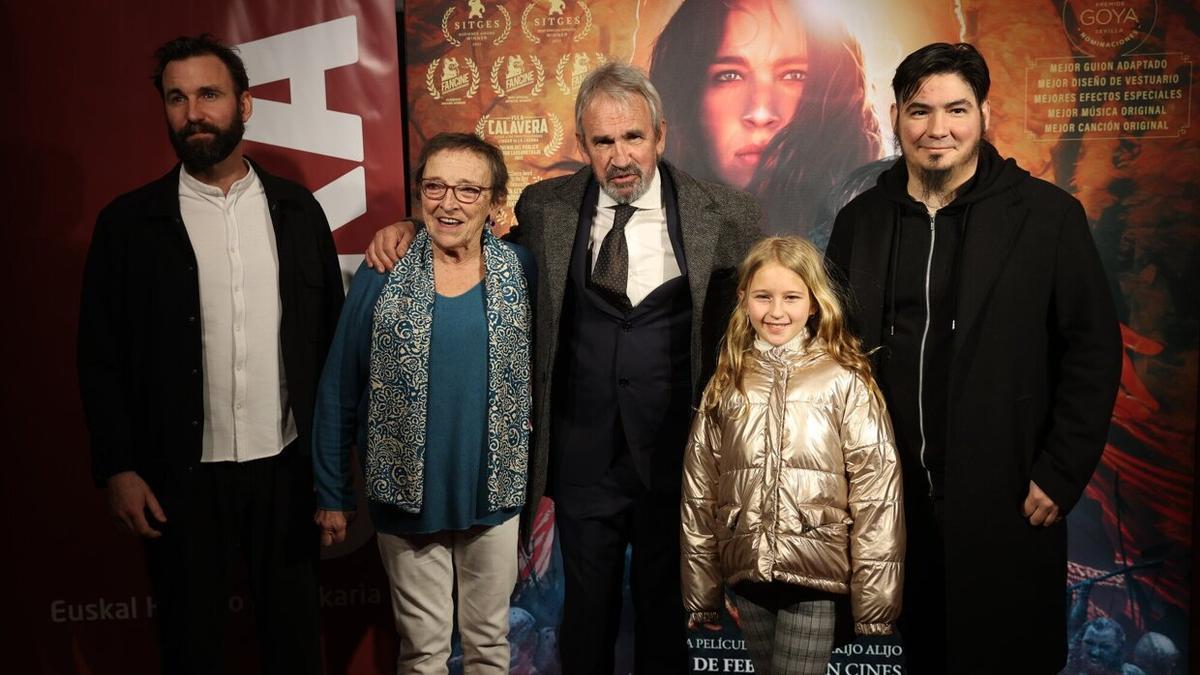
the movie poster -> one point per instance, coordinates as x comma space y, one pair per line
1095, 96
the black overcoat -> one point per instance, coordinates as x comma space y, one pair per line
1033, 377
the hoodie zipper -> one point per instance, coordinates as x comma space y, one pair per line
921, 359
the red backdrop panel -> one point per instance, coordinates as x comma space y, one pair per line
85, 124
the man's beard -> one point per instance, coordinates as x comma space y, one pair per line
634, 192
201, 155
933, 181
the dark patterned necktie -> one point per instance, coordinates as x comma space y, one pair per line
610, 276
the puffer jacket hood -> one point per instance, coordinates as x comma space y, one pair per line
796, 480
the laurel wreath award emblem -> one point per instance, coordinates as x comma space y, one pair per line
541, 76
538, 69
507, 25
587, 19
552, 146
429, 83
560, 70
474, 78
431, 80
579, 35
446, 27
494, 75
525, 25
556, 136
457, 42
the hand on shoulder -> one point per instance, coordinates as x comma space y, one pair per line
390, 244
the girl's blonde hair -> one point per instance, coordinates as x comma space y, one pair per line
828, 322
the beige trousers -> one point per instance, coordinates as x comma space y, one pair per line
423, 570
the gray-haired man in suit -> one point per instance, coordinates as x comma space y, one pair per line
637, 269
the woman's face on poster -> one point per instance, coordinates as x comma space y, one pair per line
753, 85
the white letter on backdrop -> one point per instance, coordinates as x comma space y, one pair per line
302, 56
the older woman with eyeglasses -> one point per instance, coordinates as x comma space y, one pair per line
429, 374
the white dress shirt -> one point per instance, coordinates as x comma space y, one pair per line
246, 412
651, 256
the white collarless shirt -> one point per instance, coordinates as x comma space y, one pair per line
246, 412
651, 256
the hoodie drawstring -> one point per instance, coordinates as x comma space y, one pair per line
893, 263
956, 270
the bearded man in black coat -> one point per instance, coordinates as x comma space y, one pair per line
999, 355
210, 297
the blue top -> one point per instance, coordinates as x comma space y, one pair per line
455, 493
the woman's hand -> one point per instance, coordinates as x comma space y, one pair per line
333, 525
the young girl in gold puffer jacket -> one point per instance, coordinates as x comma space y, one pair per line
791, 484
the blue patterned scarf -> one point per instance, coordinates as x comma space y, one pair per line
399, 378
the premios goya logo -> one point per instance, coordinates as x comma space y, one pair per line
452, 80
519, 77
556, 21
478, 24
1108, 27
521, 136
573, 67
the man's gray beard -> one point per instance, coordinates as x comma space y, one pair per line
639, 190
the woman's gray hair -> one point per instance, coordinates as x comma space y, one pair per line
621, 82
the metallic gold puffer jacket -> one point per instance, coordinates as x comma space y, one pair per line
797, 481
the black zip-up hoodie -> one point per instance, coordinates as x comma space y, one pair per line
920, 305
